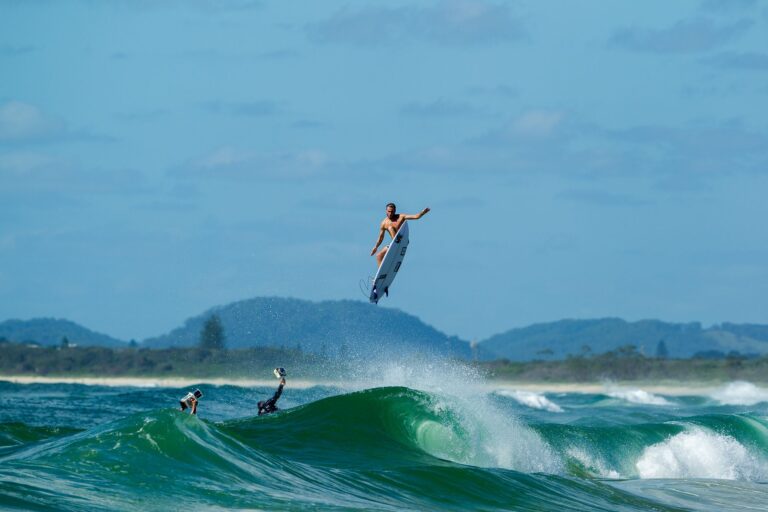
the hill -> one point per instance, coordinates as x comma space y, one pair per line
328, 328
50, 331
556, 340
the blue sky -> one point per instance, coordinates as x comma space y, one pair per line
582, 159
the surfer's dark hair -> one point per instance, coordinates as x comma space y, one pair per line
394, 207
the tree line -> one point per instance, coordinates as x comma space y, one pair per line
626, 363
210, 358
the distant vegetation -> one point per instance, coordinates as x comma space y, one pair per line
348, 328
212, 335
558, 340
22, 359
624, 364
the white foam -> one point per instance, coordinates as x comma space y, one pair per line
476, 432
638, 396
531, 399
698, 453
740, 393
596, 466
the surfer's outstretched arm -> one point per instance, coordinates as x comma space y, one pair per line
418, 215
279, 391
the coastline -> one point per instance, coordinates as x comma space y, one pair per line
153, 382
670, 388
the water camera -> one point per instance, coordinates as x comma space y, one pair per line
187, 400
279, 373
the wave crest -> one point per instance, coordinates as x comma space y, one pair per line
740, 393
698, 453
531, 399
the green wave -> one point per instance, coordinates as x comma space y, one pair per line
384, 448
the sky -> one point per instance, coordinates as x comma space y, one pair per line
581, 159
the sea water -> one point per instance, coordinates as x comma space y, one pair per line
400, 438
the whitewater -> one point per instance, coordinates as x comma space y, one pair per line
425, 437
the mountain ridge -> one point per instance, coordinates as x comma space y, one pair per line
348, 327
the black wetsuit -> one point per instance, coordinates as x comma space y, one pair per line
270, 405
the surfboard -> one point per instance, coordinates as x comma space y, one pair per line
390, 265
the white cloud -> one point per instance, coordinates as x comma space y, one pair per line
233, 163
454, 22
440, 108
537, 123
21, 121
24, 162
224, 157
688, 36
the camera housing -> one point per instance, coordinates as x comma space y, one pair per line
186, 401
279, 373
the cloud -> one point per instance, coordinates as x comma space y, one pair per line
504, 91
603, 198
543, 142
531, 124
724, 6
346, 202
741, 60
280, 55
232, 163
701, 148
15, 51
691, 36
143, 116
244, 108
537, 123
308, 124
25, 174
24, 162
21, 122
452, 22
205, 6
709, 88
438, 108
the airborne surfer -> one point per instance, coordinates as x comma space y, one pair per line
391, 224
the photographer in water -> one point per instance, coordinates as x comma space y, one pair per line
190, 401
270, 406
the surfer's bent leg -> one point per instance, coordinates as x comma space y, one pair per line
380, 255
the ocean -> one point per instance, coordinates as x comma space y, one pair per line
432, 439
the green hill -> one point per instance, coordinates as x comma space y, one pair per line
50, 331
328, 327
354, 328
556, 340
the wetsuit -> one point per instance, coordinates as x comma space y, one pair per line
270, 406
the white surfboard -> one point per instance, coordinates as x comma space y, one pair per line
391, 264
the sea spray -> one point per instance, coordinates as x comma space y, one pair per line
634, 395
593, 464
698, 453
531, 399
478, 433
740, 393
